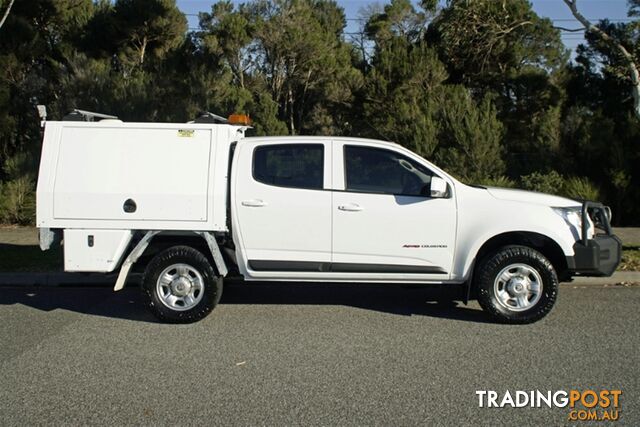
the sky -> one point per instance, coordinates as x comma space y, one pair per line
614, 10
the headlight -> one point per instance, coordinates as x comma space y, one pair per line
572, 215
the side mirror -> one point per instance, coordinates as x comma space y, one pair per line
438, 187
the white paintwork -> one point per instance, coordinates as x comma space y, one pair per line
389, 229
514, 195
438, 187
105, 254
482, 216
175, 173
279, 223
149, 166
180, 182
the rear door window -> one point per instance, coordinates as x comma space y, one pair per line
290, 165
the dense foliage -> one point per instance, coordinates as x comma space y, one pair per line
484, 88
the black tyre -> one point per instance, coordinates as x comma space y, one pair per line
180, 285
516, 284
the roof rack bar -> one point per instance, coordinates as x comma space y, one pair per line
86, 116
207, 117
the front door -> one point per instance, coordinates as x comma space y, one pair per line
282, 212
385, 224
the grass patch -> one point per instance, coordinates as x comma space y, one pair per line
630, 258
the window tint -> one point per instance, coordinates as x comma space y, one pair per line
290, 165
375, 170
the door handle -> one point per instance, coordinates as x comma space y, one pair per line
255, 203
351, 207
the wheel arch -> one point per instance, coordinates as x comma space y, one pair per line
540, 242
152, 242
165, 239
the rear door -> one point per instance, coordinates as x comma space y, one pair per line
282, 217
385, 224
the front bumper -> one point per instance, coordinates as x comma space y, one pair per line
600, 255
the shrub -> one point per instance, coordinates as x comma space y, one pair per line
18, 201
580, 188
551, 183
17, 192
500, 181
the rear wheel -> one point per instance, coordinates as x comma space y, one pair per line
180, 285
516, 284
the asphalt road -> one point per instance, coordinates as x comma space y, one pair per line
305, 354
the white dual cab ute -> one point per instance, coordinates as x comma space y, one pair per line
188, 204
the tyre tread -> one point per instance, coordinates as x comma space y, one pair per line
485, 276
210, 298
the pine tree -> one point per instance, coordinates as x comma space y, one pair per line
470, 137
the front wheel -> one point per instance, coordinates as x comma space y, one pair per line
180, 285
516, 284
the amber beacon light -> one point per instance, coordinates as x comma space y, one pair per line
239, 119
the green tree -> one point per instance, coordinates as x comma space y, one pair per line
228, 34
303, 57
398, 19
504, 49
402, 93
470, 137
486, 42
406, 99
148, 26
483, 87
44, 34
600, 132
628, 57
